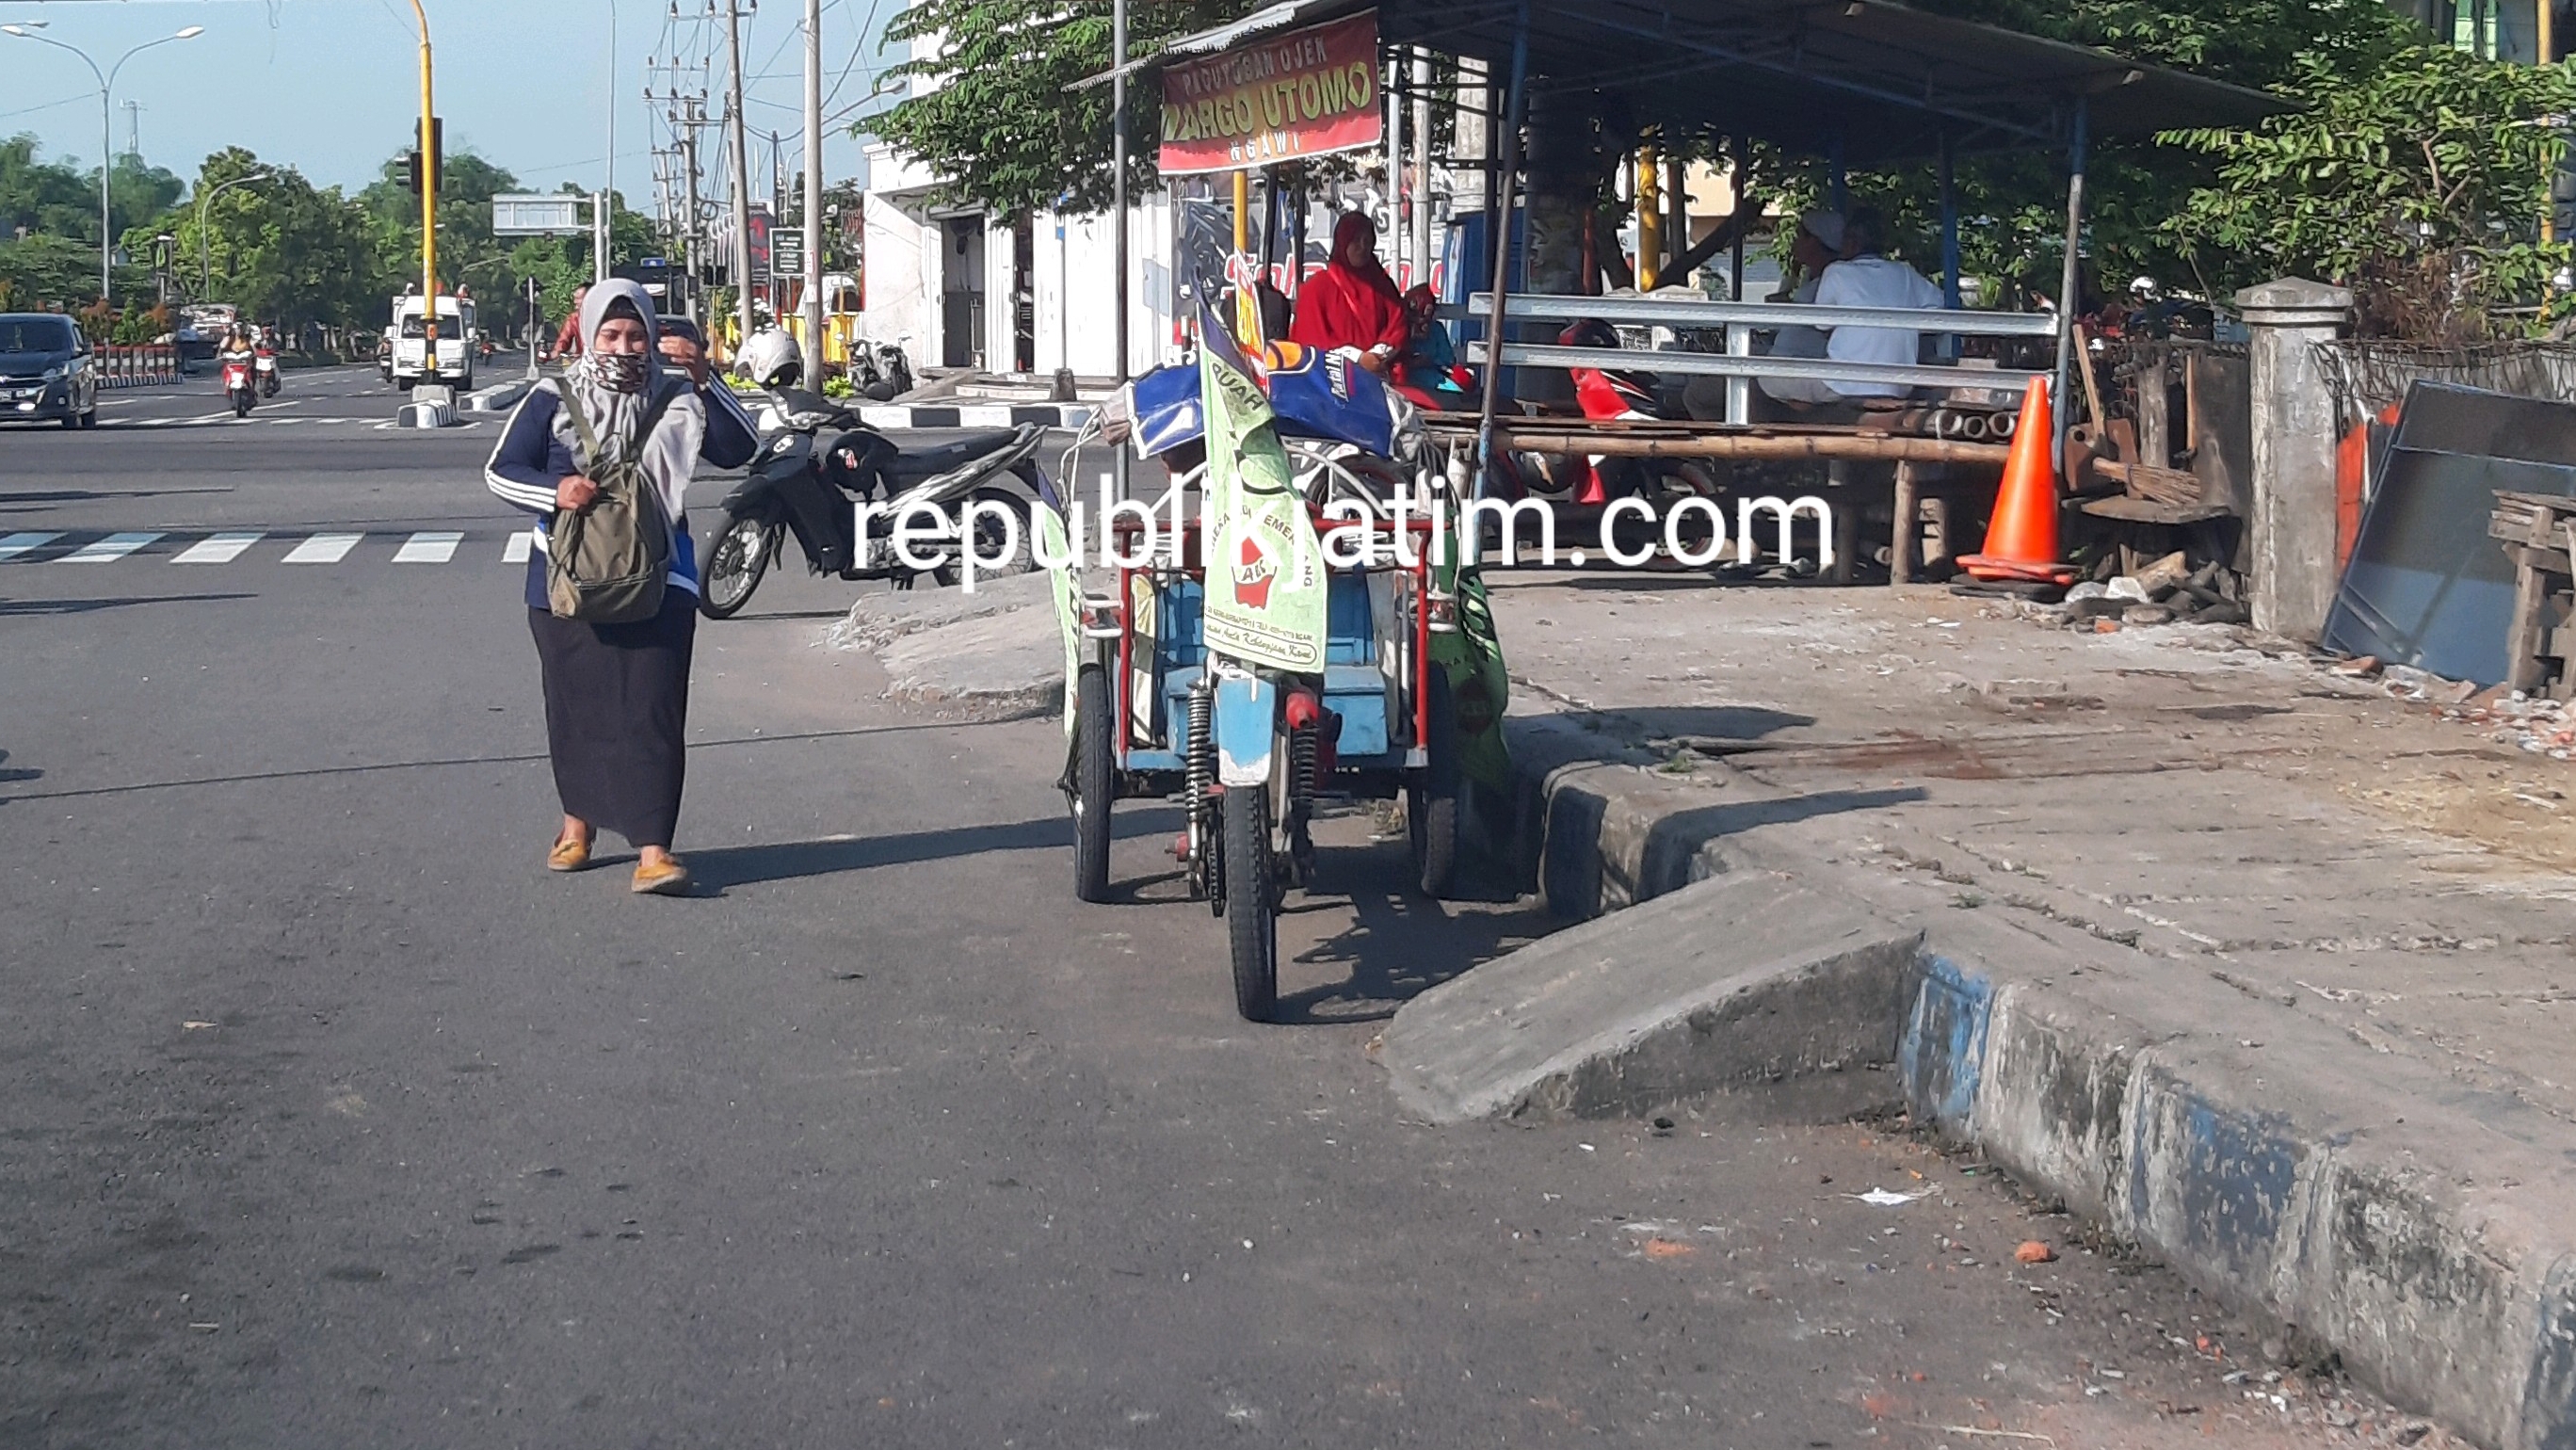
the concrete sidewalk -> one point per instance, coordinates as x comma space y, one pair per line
2264, 970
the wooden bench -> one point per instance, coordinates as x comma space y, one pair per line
2538, 532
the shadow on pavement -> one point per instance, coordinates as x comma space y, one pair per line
1399, 943
726, 866
32, 608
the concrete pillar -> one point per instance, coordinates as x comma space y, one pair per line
1562, 184
2292, 516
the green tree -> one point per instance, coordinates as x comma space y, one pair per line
2411, 174
46, 271
1001, 122
38, 196
282, 249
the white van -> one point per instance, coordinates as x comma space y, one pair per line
456, 341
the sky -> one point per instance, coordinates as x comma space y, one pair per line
332, 87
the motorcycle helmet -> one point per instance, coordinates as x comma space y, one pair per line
770, 359
1590, 332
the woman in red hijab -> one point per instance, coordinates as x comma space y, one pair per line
1352, 302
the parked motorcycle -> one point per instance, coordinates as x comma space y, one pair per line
879, 371
1606, 394
241, 382
802, 486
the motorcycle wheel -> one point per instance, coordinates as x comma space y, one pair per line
1094, 785
1251, 902
241, 403
989, 538
268, 389
735, 564
1431, 798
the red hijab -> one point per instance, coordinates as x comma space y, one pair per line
1351, 303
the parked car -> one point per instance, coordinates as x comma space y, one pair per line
45, 370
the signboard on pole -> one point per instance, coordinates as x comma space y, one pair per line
1306, 93
786, 253
537, 214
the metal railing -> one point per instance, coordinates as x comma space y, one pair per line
1739, 364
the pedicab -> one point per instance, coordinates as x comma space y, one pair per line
1288, 674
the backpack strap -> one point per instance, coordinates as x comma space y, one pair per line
659, 404
581, 427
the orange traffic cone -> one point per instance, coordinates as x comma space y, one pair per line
2021, 542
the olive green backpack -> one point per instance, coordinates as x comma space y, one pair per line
606, 564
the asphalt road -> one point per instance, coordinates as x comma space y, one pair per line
331, 1119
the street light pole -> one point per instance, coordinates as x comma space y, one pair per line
106, 130
205, 248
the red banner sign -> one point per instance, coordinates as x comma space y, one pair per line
1307, 93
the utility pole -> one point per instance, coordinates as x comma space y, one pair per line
693, 254
814, 194
133, 127
607, 209
1118, 193
741, 175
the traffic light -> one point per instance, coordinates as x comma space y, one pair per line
437, 155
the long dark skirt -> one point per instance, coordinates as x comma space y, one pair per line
617, 716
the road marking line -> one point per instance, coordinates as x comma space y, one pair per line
428, 548
12, 545
107, 550
219, 549
323, 549
513, 552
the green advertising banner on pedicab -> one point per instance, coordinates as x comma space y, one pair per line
1265, 567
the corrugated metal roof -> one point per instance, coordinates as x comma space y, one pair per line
1874, 79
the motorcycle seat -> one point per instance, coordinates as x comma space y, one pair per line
919, 460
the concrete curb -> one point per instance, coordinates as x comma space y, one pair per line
1732, 983
499, 398
2414, 1231
426, 415
975, 415
2412, 1227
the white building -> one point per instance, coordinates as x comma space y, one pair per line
959, 288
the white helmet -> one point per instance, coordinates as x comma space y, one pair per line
770, 359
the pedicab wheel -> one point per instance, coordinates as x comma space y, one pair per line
734, 566
1431, 797
1251, 904
1094, 786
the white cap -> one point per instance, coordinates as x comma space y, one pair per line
1824, 226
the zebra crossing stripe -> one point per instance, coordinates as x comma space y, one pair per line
428, 548
12, 545
219, 549
323, 549
107, 550
516, 551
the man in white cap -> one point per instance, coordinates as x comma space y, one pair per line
1864, 277
1818, 245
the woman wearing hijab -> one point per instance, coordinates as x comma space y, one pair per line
1352, 302
617, 695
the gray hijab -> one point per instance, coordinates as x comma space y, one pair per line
615, 413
